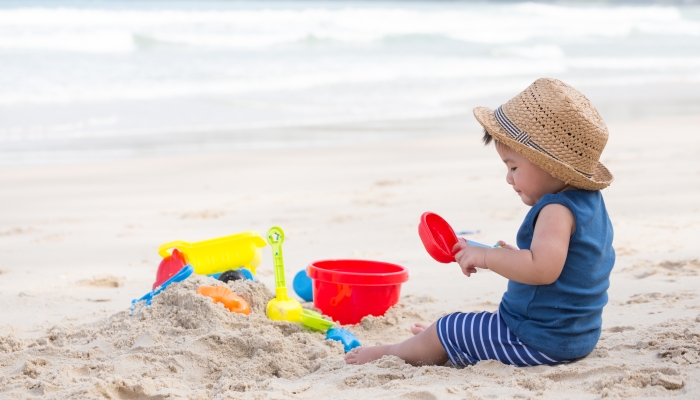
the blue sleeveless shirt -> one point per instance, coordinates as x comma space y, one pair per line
563, 319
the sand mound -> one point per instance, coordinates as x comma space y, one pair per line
182, 343
185, 346
655, 361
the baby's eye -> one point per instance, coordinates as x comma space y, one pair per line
513, 169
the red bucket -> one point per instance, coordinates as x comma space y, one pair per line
348, 290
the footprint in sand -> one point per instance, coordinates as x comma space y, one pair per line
51, 238
205, 214
624, 250
668, 298
341, 219
611, 381
17, 231
617, 329
388, 182
683, 354
645, 269
103, 282
130, 230
373, 201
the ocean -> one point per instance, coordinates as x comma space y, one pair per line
95, 80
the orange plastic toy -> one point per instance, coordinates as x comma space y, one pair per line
224, 295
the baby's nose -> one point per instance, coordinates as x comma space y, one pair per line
509, 178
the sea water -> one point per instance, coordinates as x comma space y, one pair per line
84, 80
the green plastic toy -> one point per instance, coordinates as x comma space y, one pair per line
282, 307
314, 320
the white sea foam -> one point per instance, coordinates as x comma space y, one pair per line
260, 81
542, 61
98, 70
534, 52
665, 64
94, 30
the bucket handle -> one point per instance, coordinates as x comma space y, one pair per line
179, 244
343, 292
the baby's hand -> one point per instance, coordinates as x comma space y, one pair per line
469, 257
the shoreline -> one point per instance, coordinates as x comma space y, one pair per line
616, 104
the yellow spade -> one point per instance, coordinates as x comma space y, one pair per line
282, 307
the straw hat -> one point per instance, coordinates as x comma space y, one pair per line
555, 127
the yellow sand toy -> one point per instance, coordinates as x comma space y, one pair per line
282, 307
217, 255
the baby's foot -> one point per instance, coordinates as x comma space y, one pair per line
418, 327
361, 355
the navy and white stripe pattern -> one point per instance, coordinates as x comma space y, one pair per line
472, 337
521, 137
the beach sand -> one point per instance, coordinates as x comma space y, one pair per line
78, 242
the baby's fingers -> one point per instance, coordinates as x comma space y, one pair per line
458, 247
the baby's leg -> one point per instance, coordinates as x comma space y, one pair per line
422, 349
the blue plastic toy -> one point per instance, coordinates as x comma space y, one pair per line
473, 243
183, 274
246, 272
303, 286
345, 337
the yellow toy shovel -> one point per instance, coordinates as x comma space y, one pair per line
282, 307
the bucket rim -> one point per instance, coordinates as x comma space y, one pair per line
317, 272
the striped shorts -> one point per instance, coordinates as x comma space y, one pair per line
472, 337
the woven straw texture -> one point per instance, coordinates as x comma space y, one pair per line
555, 127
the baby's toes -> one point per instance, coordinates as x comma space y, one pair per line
418, 328
351, 356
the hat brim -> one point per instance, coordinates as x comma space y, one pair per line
601, 178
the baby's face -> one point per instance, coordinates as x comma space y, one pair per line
528, 180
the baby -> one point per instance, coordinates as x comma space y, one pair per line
550, 138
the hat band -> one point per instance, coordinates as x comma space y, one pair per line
519, 136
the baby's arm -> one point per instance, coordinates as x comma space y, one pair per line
541, 265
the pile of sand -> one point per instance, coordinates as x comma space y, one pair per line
656, 361
182, 344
